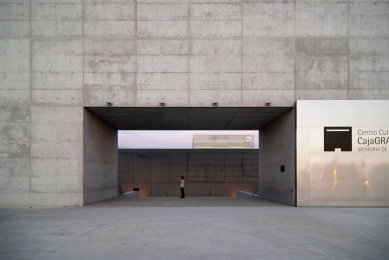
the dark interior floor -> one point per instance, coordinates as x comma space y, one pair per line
187, 202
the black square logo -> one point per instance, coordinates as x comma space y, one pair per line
337, 137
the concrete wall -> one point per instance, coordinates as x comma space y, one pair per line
100, 160
192, 53
56, 156
223, 171
277, 147
58, 56
41, 156
15, 162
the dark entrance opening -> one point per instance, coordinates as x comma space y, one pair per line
212, 118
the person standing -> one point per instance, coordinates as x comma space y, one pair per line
182, 185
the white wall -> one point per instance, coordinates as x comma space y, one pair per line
342, 178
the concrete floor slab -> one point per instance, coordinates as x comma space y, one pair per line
193, 228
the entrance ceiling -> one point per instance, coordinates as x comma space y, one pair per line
189, 118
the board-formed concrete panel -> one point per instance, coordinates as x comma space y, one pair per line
322, 72
15, 12
311, 46
217, 47
218, 12
10, 29
163, 47
105, 11
162, 12
56, 12
268, 19
369, 20
321, 19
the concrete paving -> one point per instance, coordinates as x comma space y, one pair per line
193, 228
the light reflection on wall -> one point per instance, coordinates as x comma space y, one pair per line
367, 184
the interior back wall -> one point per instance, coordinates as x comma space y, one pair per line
158, 171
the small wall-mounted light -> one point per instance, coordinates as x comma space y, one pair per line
110, 104
215, 104
268, 104
162, 104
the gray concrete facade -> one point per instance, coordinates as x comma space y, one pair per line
157, 172
100, 177
277, 159
59, 57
